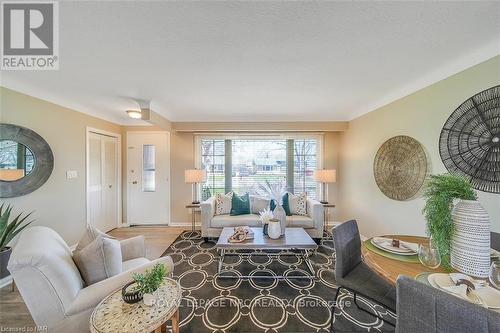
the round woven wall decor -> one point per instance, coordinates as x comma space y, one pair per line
469, 144
400, 167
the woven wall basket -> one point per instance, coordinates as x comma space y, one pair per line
469, 144
470, 246
400, 167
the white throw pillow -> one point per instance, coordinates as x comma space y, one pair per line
99, 260
257, 205
91, 234
298, 203
223, 203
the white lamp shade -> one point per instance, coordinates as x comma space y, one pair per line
325, 176
195, 176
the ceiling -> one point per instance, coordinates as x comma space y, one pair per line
257, 61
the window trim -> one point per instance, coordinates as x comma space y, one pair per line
318, 136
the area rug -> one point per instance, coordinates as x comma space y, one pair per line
214, 304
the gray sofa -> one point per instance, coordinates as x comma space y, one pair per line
212, 225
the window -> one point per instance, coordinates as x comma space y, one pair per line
254, 161
213, 161
241, 164
148, 168
304, 161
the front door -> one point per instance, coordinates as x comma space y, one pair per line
148, 178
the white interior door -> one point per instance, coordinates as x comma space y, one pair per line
148, 178
103, 189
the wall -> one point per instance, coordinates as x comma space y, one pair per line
420, 115
60, 202
181, 158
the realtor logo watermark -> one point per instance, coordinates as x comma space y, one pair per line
30, 35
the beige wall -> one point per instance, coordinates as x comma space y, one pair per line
60, 202
181, 158
420, 115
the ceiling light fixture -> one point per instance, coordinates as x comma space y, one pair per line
135, 114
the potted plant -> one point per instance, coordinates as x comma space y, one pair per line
8, 230
149, 282
440, 192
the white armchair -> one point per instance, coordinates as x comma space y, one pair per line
50, 283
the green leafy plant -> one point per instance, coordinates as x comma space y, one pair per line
439, 192
150, 281
10, 229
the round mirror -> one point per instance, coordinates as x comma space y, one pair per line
26, 161
16, 160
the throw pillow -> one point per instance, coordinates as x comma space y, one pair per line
240, 205
297, 203
99, 260
257, 204
286, 204
223, 203
91, 233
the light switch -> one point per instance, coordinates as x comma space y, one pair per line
70, 174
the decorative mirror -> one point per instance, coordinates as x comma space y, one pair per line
26, 161
469, 144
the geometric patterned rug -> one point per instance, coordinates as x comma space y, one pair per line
212, 304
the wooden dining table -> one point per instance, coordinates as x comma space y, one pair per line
390, 269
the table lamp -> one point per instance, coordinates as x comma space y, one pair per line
195, 176
325, 176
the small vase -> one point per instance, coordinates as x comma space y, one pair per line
265, 229
280, 214
274, 229
149, 299
470, 243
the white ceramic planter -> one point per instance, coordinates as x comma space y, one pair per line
470, 245
274, 229
149, 299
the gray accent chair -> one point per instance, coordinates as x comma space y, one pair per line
424, 309
51, 285
352, 274
212, 225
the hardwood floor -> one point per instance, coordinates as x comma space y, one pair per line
14, 315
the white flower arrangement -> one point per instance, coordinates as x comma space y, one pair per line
272, 191
266, 215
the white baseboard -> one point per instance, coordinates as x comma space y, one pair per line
183, 224
6, 281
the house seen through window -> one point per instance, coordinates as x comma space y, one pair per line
241, 165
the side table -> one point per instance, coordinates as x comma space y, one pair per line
193, 234
326, 214
114, 315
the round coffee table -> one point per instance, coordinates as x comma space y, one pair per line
114, 315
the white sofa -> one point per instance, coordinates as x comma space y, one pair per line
211, 224
50, 283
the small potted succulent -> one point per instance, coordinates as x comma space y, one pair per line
149, 282
8, 230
